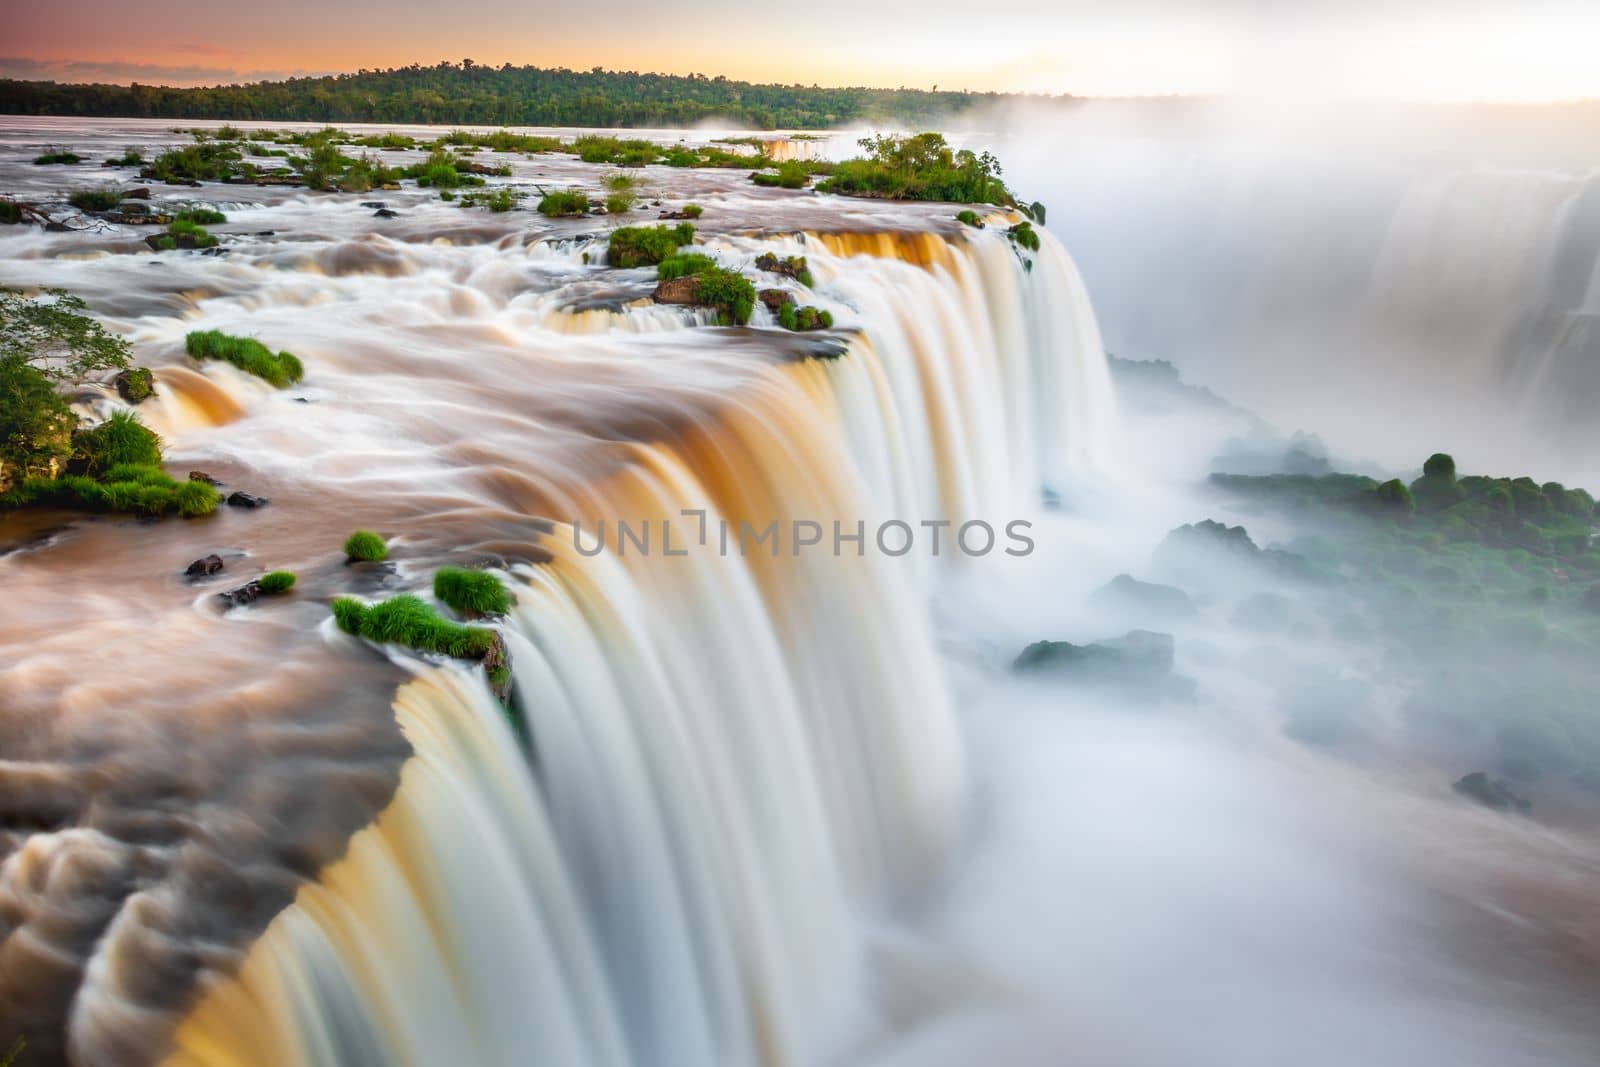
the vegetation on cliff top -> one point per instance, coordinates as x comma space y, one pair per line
470, 93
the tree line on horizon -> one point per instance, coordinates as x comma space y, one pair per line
507, 95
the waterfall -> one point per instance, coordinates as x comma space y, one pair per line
735, 758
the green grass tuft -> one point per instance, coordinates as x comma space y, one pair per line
104, 198
366, 547
471, 592
202, 216
350, 614
407, 620
564, 203
681, 266
122, 439
247, 354
276, 582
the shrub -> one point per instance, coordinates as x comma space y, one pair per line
195, 498
692, 211
276, 582
791, 266
564, 203
197, 234
804, 318
119, 441
787, 317
246, 353
969, 217
406, 620
202, 216
204, 161
919, 167
1440, 465
620, 203
471, 592
131, 157
364, 546
1024, 236
681, 266
729, 292
440, 170
446, 195
616, 151
103, 199
140, 489
57, 156
620, 182
640, 246
10, 212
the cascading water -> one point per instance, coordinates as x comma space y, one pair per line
736, 757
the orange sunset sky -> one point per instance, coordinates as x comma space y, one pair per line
1422, 49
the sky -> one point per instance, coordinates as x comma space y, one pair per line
1528, 51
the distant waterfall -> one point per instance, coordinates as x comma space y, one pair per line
734, 757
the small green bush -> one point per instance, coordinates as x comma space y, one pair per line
564, 203
350, 614
620, 203
246, 353
692, 211
1024, 236
131, 157
119, 441
57, 156
276, 581
642, 246
968, 217
787, 317
791, 175
103, 199
729, 292
366, 547
471, 592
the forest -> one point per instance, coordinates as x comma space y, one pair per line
466, 92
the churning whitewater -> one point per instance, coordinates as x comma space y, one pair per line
721, 766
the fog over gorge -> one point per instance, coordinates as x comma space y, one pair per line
387, 675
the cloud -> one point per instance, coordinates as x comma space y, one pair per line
122, 72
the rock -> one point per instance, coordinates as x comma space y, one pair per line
677, 290
138, 192
205, 565
374, 203
385, 213
266, 233
1491, 793
390, 187
1208, 533
56, 227
135, 384
1127, 594
775, 298
246, 500
181, 240
202, 476
247, 593
136, 218
790, 266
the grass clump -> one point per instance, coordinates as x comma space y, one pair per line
406, 620
246, 353
791, 175
471, 592
683, 265
620, 203
10, 212
968, 217
276, 582
186, 234
119, 442
105, 198
364, 546
131, 488
57, 156
501, 200
202, 216
642, 246
441, 170
621, 152
563, 203
1023, 235
203, 161
692, 211
131, 157
792, 266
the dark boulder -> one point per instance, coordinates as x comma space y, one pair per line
202, 476
204, 566
374, 204
1491, 792
775, 298
135, 384
246, 500
385, 213
138, 192
1210, 534
248, 593
683, 290
1138, 664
